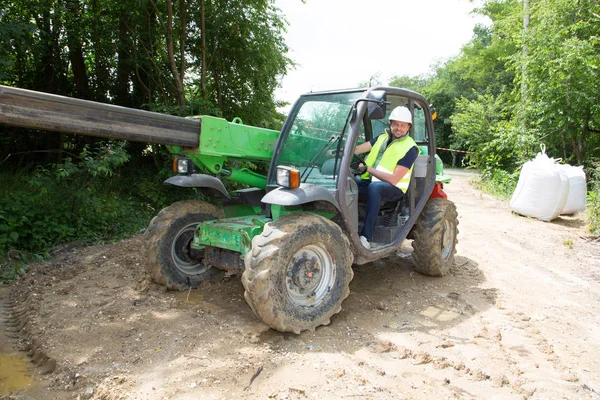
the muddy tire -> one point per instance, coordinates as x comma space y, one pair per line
167, 243
298, 272
435, 237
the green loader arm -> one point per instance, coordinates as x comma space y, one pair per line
208, 141
222, 141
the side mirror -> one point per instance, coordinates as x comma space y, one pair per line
377, 103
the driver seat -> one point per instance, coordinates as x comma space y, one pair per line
329, 165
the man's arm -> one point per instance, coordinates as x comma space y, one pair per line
363, 148
392, 179
404, 164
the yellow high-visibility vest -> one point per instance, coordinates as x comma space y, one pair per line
392, 154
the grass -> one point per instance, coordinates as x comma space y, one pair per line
499, 183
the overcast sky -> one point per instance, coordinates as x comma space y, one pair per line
339, 43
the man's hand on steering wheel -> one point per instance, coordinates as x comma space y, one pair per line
359, 169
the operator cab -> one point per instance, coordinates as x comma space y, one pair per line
313, 166
394, 215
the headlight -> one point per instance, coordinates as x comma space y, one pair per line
183, 166
288, 177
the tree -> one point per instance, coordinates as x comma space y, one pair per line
217, 57
482, 68
563, 76
245, 57
483, 127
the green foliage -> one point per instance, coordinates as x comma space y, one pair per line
593, 210
100, 162
499, 183
71, 201
147, 187
247, 53
223, 58
560, 74
480, 126
416, 83
480, 69
593, 200
516, 85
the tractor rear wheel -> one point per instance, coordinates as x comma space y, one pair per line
167, 240
298, 272
435, 237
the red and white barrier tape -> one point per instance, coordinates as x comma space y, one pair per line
457, 151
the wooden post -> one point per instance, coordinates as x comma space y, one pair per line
38, 110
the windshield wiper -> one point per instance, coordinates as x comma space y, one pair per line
319, 153
337, 150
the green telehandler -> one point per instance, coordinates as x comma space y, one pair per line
292, 235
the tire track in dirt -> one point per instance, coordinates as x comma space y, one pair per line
21, 326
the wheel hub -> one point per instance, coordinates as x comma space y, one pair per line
186, 259
306, 273
309, 276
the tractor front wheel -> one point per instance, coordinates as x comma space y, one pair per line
435, 237
169, 259
298, 272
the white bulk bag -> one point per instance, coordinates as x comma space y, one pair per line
542, 189
577, 189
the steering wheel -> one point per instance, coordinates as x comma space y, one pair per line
356, 160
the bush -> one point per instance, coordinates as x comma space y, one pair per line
147, 186
71, 201
495, 143
499, 183
593, 200
95, 198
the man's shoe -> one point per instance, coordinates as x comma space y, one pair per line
365, 242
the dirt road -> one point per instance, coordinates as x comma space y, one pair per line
519, 317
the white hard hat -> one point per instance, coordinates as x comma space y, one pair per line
401, 114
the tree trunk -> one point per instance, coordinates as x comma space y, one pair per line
203, 51
179, 95
48, 78
525, 54
47, 83
76, 50
574, 143
122, 92
564, 144
100, 60
217, 79
145, 45
79, 70
182, 37
581, 138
